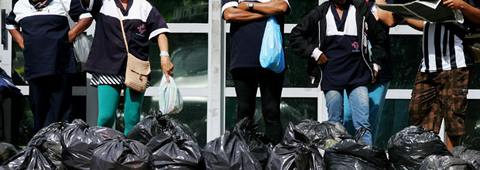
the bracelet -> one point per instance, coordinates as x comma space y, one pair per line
162, 53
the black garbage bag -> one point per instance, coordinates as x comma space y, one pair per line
6, 151
78, 142
471, 156
229, 152
29, 159
152, 125
319, 133
14, 162
107, 133
437, 162
259, 145
295, 152
118, 153
174, 152
350, 154
47, 141
409, 147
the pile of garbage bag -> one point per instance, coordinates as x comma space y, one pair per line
408, 148
160, 142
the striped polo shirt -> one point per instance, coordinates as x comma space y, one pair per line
442, 49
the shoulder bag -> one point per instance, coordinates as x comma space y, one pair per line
136, 73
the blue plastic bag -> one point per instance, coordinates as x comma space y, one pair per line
271, 53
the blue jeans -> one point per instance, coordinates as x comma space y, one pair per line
359, 103
376, 94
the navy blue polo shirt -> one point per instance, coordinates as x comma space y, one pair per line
345, 68
246, 37
44, 27
142, 23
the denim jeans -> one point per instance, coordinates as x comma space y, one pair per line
359, 103
376, 94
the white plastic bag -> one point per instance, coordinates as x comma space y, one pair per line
171, 100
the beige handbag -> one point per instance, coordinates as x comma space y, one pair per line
136, 74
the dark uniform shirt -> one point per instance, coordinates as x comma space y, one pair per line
142, 23
346, 68
45, 35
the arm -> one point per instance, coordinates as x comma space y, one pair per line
17, 36
233, 14
472, 13
386, 17
165, 62
276, 7
415, 24
78, 28
301, 34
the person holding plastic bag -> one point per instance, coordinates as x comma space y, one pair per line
247, 31
142, 24
46, 39
334, 37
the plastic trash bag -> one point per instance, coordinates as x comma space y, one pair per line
271, 52
47, 141
107, 133
259, 145
6, 151
14, 162
153, 125
229, 152
319, 133
471, 156
118, 153
78, 142
170, 100
437, 162
29, 159
350, 154
295, 152
409, 147
171, 152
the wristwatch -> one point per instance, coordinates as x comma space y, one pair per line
250, 6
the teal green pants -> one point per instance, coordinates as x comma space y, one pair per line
108, 100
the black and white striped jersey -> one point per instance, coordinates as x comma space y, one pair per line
442, 49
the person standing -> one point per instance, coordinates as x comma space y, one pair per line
376, 91
441, 86
46, 40
248, 20
334, 38
107, 61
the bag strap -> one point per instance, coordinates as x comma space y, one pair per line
123, 30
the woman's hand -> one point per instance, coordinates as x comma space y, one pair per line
167, 66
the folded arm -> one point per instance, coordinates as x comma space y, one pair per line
78, 28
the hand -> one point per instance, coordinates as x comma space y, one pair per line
243, 6
71, 36
322, 59
374, 80
452, 4
167, 67
398, 19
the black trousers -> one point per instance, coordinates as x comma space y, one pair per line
246, 81
50, 100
